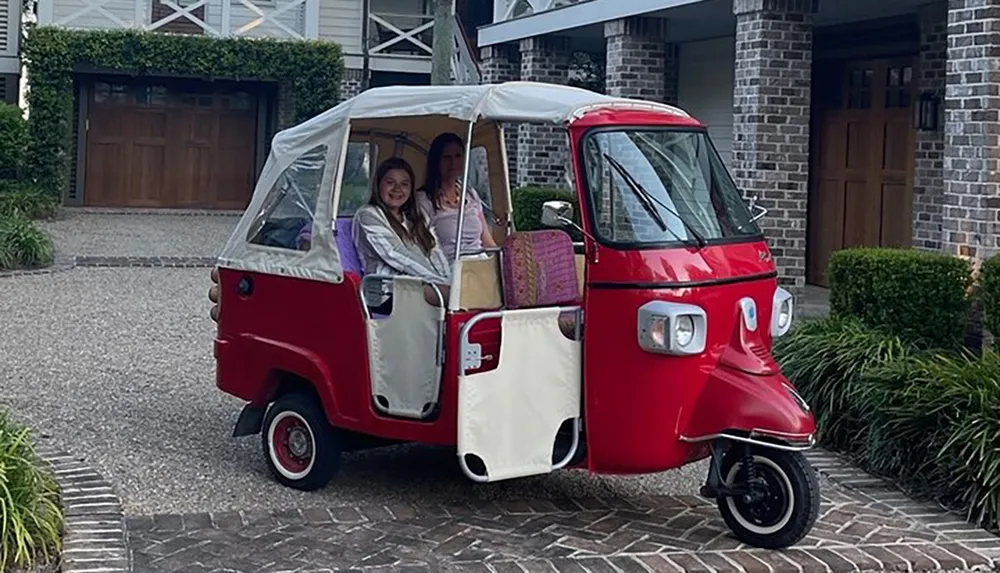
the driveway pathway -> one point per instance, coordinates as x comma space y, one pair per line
114, 365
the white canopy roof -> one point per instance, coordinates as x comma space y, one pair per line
305, 162
529, 102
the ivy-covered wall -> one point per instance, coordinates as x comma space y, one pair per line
310, 71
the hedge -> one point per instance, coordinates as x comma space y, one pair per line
310, 70
926, 420
528, 207
13, 141
989, 292
918, 295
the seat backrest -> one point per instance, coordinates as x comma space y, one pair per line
539, 269
349, 259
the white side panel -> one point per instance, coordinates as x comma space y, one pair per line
509, 416
340, 22
403, 350
705, 89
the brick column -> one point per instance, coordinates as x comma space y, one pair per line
501, 63
640, 64
972, 129
351, 84
771, 106
928, 181
543, 150
286, 106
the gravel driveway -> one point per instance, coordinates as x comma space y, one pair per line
116, 365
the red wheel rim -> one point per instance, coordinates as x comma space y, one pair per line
292, 444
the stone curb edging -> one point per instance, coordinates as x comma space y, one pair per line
89, 261
94, 537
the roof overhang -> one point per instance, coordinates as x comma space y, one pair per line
569, 17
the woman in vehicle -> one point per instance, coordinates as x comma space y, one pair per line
439, 197
393, 237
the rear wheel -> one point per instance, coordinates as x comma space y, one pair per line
300, 447
782, 501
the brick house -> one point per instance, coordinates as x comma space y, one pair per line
123, 144
855, 122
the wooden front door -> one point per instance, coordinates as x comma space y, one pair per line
861, 188
154, 145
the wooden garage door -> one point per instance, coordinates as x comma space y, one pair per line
157, 145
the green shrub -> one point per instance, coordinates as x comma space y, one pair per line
935, 427
918, 295
528, 207
30, 514
826, 360
22, 244
989, 292
13, 141
25, 200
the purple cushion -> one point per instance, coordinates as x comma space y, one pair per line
539, 269
349, 259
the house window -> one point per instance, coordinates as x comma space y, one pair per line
899, 80
859, 89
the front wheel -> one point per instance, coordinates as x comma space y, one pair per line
300, 446
782, 500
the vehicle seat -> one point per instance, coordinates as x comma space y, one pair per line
349, 259
540, 269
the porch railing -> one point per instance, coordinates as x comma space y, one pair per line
413, 35
510, 9
290, 19
464, 64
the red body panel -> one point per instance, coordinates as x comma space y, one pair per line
638, 405
279, 327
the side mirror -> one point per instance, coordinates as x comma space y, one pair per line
557, 214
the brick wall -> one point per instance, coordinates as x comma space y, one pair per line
286, 107
502, 63
352, 83
639, 64
543, 150
972, 132
928, 181
771, 110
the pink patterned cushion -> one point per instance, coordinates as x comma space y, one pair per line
539, 269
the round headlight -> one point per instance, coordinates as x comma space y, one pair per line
784, 313
657, 332
684, 331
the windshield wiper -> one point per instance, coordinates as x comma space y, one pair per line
646, 199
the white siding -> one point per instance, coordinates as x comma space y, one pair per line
340, 22
124, 13
705, 89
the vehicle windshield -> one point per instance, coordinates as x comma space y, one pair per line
653, 186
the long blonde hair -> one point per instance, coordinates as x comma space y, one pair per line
419, 232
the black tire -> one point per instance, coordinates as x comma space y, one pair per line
304, 452
791, 506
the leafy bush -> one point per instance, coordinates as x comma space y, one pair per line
13, 141
928, 420
22, 244
918, 295
25, 200
827, 359
528, 207
989, 292
935, 427
30, 514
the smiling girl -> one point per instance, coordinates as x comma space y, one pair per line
392, 234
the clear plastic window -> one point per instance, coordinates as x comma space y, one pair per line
290, 205
361, 156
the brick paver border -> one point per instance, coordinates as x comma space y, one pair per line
94, 538
95, 530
